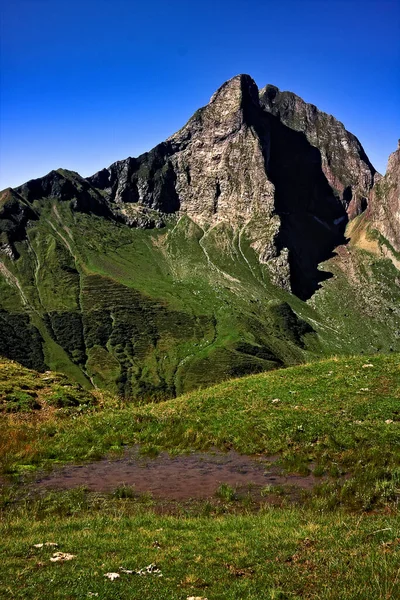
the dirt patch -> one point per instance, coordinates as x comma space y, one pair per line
192, 476
366, 243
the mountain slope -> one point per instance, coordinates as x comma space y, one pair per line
192, 263
142, 310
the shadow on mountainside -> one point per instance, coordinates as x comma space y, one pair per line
313, 219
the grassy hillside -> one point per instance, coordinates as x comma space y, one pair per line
157, 313
360, 303
338, 418
26, 391
142, 312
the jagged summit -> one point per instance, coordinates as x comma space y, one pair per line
235, 93
343, 159
213, 169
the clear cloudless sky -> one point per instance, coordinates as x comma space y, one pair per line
88, 82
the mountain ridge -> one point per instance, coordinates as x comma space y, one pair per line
191, 172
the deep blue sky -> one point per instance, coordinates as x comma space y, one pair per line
85, 83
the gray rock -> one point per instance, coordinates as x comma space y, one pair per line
384, 208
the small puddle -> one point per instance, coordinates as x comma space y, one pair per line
191, 476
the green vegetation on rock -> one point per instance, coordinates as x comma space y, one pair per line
155, 313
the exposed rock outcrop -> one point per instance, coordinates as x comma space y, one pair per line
213, 169
235, 162
384, 209
312, 218
14, 215
343, 159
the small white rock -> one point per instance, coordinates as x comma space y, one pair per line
127, 571
112, 576
62, 556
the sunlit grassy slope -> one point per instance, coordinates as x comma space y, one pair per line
23, 391
156, 313
338, 417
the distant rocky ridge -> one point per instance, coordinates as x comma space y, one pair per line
14, 216
255, 191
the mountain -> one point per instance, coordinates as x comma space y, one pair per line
257, 236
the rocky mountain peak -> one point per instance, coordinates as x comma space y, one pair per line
213, 169
236, 94
229, 108
255, 192
343, 159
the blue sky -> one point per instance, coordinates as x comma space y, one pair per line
90, 82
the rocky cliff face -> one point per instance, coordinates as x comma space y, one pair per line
213, 169
384, 209
344, 162
14, 216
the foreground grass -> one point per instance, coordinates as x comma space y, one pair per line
278, 553
337, 418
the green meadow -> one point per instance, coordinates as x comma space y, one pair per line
338, 419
